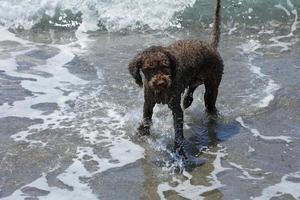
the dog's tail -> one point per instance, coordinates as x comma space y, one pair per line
216, 26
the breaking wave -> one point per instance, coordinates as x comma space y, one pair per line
118, 15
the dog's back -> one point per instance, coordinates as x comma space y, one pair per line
196, 60
193, 53
199, 57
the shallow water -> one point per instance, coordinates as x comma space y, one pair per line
69, 110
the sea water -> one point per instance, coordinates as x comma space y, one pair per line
69, 108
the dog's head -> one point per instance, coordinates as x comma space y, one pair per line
158, 66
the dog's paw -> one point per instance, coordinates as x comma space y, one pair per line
212, 114
187, 101
143, 130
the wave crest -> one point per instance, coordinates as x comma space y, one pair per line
116, 15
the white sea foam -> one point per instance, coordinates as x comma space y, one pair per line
266, 94
285, 186
284, 9
187, 190
121, 150
123, 153
45, 89
114, 15
252, 49
246, 172
269, 89
257, 134
251, 46
250, 149
277, 40
80, 190
106, 130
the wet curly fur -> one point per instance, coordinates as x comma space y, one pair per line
172, 70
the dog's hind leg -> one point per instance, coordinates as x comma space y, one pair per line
210, 96
188, 96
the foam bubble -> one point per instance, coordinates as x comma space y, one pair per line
250, 149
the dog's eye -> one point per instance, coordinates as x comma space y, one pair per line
164, 63
150, 65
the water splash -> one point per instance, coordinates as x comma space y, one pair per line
187, 190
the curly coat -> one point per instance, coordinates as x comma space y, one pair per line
169, 71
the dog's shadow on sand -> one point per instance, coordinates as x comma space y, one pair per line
204, 133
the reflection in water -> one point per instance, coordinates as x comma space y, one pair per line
211, 132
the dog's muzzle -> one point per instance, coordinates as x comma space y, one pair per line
160, 82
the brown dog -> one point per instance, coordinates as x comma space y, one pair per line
168, 71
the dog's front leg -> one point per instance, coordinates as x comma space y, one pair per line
144, 128
178, 125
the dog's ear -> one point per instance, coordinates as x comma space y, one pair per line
134, 68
